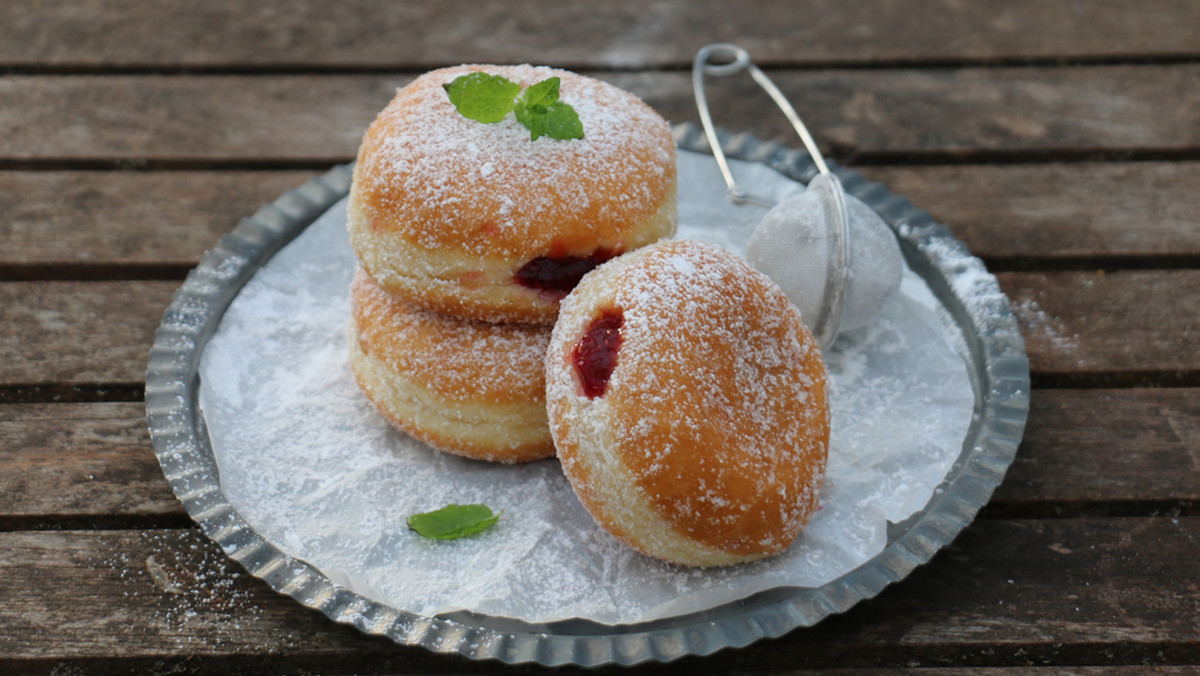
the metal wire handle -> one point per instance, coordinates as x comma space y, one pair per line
735, 60
738, 60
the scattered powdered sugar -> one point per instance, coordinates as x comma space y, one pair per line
1039, 323
199, 596
309, 464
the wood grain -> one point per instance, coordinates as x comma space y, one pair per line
72, 332
1134, 451
1078, 325
1005, 214
859, 116
605, 33
80, 463
1119, 589
1052, 212
1075, 323
122, 218
1082, 447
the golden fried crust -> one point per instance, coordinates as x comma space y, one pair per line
709, 445
444, 210
471, 388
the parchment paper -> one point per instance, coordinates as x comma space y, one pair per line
310, 465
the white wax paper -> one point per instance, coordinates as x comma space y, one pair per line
306, 460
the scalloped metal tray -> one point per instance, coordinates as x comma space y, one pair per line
996, 361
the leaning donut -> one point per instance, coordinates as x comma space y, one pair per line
688, 403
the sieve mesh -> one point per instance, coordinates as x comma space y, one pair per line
792, 245
801, 245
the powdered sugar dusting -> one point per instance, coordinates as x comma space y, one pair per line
460, 360
421, 155
715, 349
309, 464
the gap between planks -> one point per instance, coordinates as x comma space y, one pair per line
54, 271
850, 158
410, 70
1042, 511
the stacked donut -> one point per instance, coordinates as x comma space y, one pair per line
519, 298
468, 235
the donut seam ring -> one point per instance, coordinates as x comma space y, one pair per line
469, 388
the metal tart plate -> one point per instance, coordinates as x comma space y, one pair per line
997, 365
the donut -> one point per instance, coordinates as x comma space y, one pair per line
473, 389
476, 220
688, 403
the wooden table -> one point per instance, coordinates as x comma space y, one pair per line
1059, 140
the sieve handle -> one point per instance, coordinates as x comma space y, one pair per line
735, 60
732, 60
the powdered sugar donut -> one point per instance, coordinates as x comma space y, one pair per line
470, 388
477, 220
688, 403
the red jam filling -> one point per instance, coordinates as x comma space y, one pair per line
595, 355
557, 275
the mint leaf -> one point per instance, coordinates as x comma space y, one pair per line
453, 521
482, 97
534, 120
541, 94
562, 122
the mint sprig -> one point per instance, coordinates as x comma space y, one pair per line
453, 521
488, 98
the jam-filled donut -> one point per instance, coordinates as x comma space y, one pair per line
474, 389
476, 220
688, 404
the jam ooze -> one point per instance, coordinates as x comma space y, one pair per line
595, 355
557, 275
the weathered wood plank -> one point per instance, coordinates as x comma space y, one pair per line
78, 462
1031, 580
859, 114
247, 118
1080, 211
1008, 592
119, 218
608, 33
71, 332
1084, 450
1080, 324
1074, 323
186, 592
1086, 447
1003, 213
